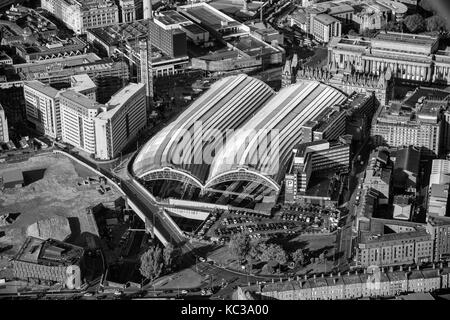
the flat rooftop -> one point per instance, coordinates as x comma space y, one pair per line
12, 175
119, 98
80, 99
439, 190
194, 28
367, 237
406, 38
81, 82
326, 19
56, 63
171, 17
43, 88
49, 252
208, 16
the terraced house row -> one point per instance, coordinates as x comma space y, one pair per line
355, 285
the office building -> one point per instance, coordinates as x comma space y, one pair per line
80, 15
109, 76
404, 124
439, 229
128, 10
78, 120
406, 169
42, 108
377, 176
325, 27
437, 200
394, 248
328, 125
440, 172
310, 159
49, 261
4, 132
120, 120
83, 84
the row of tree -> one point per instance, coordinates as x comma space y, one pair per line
416, 23
251, 251
156, 261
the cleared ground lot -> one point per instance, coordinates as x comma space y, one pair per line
55, 186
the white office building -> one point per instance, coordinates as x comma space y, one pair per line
120, 120
42, 108
78, 120
4, 133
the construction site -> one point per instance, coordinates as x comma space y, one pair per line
54, 201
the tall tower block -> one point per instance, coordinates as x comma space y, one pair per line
148, 9
147, 70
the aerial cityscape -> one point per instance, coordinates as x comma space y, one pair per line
224, 150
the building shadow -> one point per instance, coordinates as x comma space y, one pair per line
32, 176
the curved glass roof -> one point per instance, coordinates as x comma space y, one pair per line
227, 105
264, 143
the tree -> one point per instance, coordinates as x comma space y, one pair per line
171, 256
298, 257
152, 263
426, 5
414, 23
239, 246
273, 252
352, 32
435, 23
322, 257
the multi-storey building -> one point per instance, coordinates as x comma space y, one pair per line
440, 172
78, 120
312, 157
400, 125
328, 125
394, 248
83, 84
128, 10
80, 15
377, 176
439, 229
50, 261
325, 27
437, 199
4, 133
109, 76
349, 83
446, 130
120, 120
42, 108
407, 56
